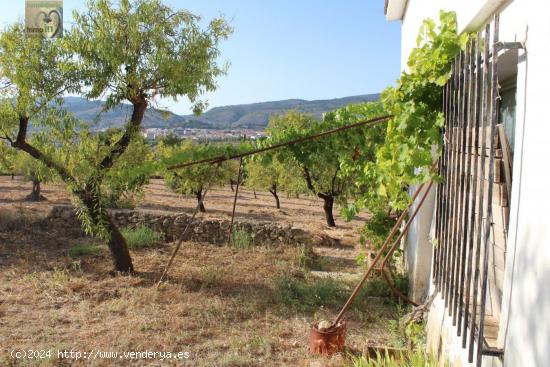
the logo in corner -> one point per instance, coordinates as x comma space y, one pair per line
44, 18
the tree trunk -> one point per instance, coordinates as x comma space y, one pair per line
35, 194
119, 248
273, 192
327, 207
198, 194
117, 242
328, 198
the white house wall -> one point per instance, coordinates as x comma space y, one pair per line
527, 340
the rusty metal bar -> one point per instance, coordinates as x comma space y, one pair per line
485, 115
461, 186
474, 142
489, 212
453, 183
394, 289
235, 201
445, 196
451, 171
384, 246
467, 148
454, 189
174, 253
440, 199
219, 159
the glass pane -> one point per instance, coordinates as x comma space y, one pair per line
508, 114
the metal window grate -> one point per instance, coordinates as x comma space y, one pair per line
464, 199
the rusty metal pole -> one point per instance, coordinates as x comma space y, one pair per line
386, 242
219, 159
174, 253
235, 201
396, 244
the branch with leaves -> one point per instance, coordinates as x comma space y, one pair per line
133, 51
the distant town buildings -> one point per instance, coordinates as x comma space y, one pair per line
201, 134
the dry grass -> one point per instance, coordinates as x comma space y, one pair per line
306, 212
223, 305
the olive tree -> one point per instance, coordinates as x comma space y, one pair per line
131, 51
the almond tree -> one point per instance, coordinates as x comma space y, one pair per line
273, 176
125, 181
331, 163
133, 52
34, 171
7, 159
194, 180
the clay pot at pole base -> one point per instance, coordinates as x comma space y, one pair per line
327, 342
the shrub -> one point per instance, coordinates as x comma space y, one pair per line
210, 277
58, 278
141, 237
376, 286
241, 239
377, 229
303, 296
83, 249
307, 259
416, 358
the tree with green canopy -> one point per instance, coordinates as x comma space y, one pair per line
34, 170
131, 51
274, 176
7, 159
125, 181
171, 139
195, 179
331, 163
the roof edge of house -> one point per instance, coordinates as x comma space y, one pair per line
395, 9
484, 14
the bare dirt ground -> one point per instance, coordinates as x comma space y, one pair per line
224, 306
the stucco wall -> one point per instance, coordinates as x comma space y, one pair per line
526, 332
418, 248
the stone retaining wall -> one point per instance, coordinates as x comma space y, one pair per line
212, 231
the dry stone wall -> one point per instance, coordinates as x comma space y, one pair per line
211, 231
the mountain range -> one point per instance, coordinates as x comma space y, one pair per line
250, 116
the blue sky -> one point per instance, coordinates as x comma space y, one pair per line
283, 49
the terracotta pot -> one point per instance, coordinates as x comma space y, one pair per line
327, 342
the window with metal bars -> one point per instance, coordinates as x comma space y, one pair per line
471, 207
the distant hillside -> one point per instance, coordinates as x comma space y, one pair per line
256, 115
91, 111
252, 116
